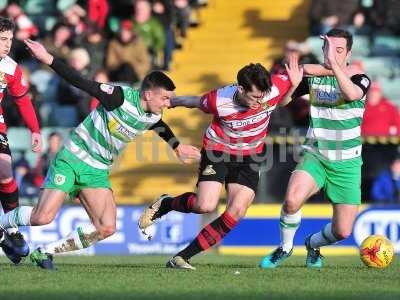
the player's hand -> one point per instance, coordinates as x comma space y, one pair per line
330, 51
39, 51
294, 71
187, 153
36, 142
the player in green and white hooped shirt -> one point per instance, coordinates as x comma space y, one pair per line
82, 166
332, 159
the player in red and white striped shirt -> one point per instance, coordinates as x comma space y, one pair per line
12, 80
233, 148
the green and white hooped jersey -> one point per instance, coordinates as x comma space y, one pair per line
104, 134
334, 130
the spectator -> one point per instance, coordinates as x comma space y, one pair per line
96, 45
71, 96
24, 178
386, 187
326, 14
381, 117
163, 10
151, 30
293, 47
127, 56
183, 11
60, 42
25, 29
55, 140
98, 11
74, 18
385, 16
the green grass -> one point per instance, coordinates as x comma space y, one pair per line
145, 277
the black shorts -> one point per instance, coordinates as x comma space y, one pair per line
4, 148
222, 167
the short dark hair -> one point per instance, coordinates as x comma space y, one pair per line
157, 79
53, 134
6, 24
337, 32
254, 74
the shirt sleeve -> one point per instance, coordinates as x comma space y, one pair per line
302, 89
208, 103
283, 84
18, 86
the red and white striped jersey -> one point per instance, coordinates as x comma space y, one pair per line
236, 129
11, 78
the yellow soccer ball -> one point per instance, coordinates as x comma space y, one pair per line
376, 251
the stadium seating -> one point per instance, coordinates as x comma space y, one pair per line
377, 67
391, 89
361, 46
386, 46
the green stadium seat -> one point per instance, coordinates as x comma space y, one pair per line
391, 89
19, 140
377, 67
361, 46
315, 43
386, 46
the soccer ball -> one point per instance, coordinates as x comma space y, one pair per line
376, 251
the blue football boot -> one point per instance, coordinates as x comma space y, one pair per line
314, 257
14, 246
275, 259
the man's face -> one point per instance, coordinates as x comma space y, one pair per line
158, 99
250, 98
340, 48
5, 43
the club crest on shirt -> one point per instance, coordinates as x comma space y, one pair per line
3, 82
265, 105
209, 171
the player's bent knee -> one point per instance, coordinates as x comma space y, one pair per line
291, 207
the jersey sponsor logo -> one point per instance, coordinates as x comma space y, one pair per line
106, 88
326, 97
120, 131
249, 121
209, 171
59, 179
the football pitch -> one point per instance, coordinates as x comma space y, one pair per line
216, 277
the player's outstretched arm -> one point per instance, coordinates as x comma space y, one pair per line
185, 153
186, 101
316, 70
109, 96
